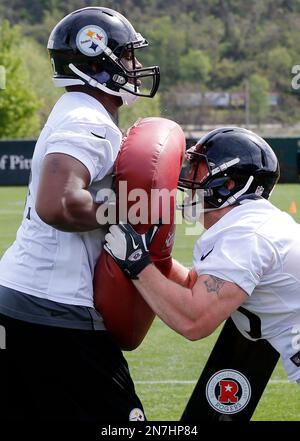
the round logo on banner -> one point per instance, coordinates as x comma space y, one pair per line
90, 40
228, 391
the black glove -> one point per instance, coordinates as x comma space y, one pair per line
128, 248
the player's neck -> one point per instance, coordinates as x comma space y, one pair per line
213, 217
110, 102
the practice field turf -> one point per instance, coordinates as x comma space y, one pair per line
166, 367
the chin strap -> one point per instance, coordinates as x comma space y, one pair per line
128, 98
192, 210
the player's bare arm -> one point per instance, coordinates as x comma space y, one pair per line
63, 200
182, 275
195, 313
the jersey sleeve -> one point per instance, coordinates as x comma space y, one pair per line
240, 258
95, 147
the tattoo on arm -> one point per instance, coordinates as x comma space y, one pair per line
213, 284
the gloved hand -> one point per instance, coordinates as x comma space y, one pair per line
128, 248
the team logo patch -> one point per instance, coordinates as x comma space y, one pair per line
91, 40
228, 391
135, 256
136, 415
259, 190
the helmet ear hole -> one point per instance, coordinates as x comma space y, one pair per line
94, 67
230, 184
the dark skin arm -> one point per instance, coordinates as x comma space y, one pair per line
63, 200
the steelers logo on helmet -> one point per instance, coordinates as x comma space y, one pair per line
228, 391
91, 40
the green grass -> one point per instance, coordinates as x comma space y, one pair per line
165, 356
166, 366
12, 200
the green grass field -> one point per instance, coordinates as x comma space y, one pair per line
166, 366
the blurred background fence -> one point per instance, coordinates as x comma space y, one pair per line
16, 156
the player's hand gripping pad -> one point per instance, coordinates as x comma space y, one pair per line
150, 159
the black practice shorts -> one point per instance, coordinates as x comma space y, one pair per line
62, 374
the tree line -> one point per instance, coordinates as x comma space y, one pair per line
212, 45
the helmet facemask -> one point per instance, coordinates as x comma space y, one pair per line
116, 78
228, 165
140, 81
210, 183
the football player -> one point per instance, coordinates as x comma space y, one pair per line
245, 265
60, 362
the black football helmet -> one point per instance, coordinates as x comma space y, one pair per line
230, 153
97, 36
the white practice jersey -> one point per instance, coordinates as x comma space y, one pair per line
45, 262
257, 247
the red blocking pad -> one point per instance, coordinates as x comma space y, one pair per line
150, 159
